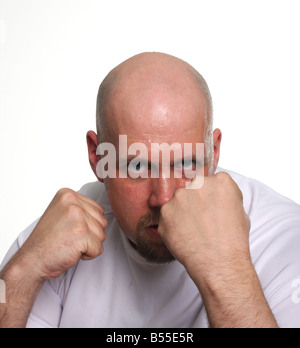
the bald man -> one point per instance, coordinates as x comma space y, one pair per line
144, 251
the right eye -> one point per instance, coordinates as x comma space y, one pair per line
136, 166
137, 169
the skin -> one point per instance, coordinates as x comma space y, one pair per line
162, 111
162, 103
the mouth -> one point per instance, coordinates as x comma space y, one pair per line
153, 230
154, 226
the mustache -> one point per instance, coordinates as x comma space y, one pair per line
151, 219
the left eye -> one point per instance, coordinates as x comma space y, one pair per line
188, 164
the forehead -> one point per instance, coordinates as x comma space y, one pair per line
151, 109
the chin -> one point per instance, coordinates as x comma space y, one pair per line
153, 252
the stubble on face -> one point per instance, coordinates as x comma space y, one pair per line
151, 248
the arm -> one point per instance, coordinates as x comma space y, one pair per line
22, 288
207, 230
71, 229
233, 297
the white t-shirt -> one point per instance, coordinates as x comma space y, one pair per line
119, 289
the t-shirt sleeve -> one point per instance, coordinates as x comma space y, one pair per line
275, 249
285, 300
47, 309
11, 252
18, 244
280, 277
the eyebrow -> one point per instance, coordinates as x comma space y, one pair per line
129, 158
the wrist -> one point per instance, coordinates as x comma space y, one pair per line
233, 296
22, 275
212, 274
22, 286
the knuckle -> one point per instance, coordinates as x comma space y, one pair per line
229, 185
104, 223
75, 213
95, 250
99, 232
103, 237
67, 196
62, 191
225, 181
82, 227
100, 249
101, 210
80, 231
223, 177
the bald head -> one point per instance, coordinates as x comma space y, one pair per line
166, 74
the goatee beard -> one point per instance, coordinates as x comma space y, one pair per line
153, 251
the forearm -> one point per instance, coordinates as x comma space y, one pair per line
22, 287
233, 298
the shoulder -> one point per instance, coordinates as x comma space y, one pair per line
97, 192
275, 219
262, 202
275, 245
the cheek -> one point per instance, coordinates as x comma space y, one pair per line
133, 193
129, 201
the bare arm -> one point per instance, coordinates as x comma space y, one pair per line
72, 228
233, 297
22, 288
207, 230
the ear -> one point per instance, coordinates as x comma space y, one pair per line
217, 147
92, 143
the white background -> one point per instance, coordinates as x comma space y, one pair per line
54, 54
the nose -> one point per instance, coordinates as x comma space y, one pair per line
162, 190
